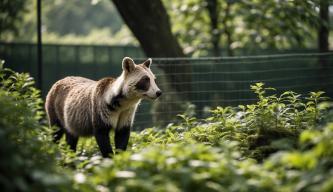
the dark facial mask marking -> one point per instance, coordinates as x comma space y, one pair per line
143, 84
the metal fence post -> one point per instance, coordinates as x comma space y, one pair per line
39, 45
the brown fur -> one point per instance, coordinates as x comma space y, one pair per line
84, 107
70, 103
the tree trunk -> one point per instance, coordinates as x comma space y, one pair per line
227, 29
212, 8
323, 32
149, 22
323, 46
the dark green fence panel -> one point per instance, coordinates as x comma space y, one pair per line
59, 61
215, 81
226, 81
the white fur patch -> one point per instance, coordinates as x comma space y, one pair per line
115, 88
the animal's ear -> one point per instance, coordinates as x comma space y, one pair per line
128, 64
147, 63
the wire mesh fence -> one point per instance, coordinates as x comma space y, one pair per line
91, 61
226, 81
191, 85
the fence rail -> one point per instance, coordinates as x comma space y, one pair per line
212, 81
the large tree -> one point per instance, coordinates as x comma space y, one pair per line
323, 39
149, 22
213, 11
323, 30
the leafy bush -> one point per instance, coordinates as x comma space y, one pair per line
20, 86
309, 168
280, 143
276, 144
27, 160
197, 167
178, 167
271, 124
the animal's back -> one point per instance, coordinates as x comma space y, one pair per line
68, 104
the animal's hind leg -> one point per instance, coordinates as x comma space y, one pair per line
58, 134
54, 121
71, 140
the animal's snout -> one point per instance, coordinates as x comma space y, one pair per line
158, 93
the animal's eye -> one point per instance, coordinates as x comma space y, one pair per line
143, 84
145, 78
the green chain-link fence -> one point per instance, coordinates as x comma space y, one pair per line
214, 81
63, 60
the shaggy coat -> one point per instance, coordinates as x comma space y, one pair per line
84, 107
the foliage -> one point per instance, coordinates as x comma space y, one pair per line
260, 24
244, 24
186, 166
21, 87
11, 15
280, 143
272, 124
96, 36
309, 168
81, 16
27, 156
73, 22
198, 167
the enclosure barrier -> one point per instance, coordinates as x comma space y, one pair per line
60, 60
191, 85
226, 81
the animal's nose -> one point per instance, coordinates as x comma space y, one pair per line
158, 93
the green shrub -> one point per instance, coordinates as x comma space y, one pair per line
280, 143
27, 160
20, 86
271, 124
221, 153
198, 167
178, 167
309, 168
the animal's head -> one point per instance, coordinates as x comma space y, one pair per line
139, 81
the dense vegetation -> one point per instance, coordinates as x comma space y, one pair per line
280, 143
234, 24
238, 23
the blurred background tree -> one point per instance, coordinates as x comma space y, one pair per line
75, 21
202, 27
11, 14
80, 17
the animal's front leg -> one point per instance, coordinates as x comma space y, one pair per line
121, 137
101, 132
122, 132
103, 141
